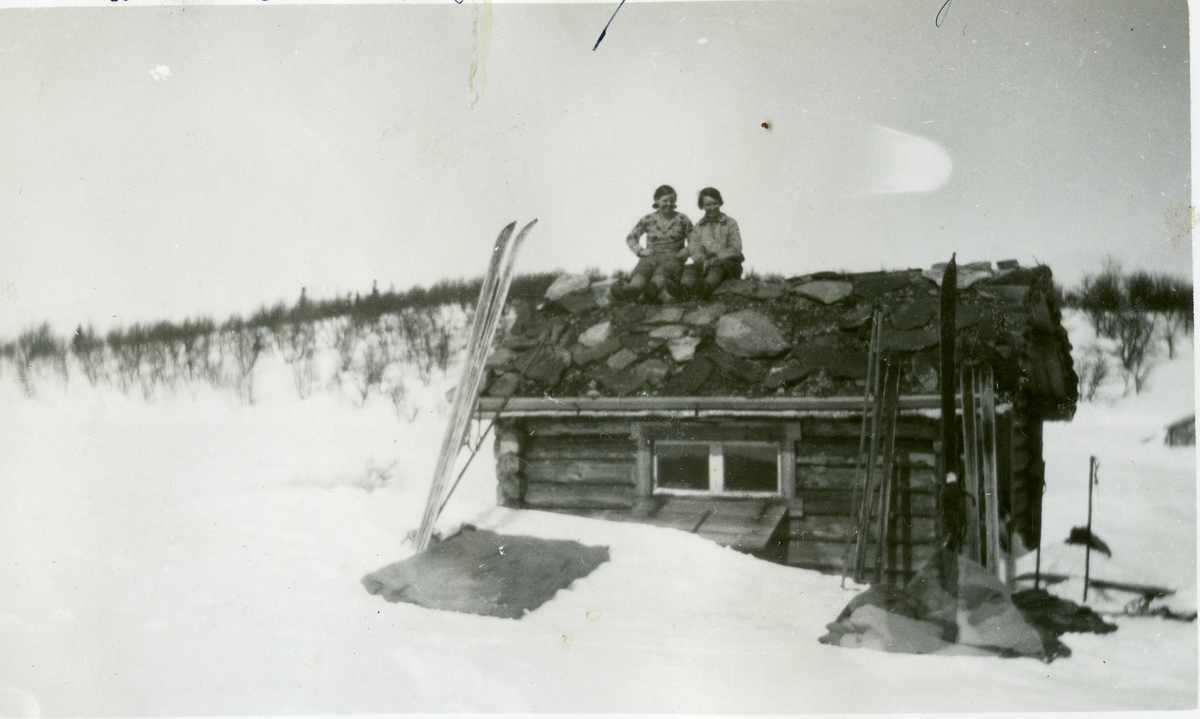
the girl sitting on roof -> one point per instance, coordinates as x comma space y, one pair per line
716, 247
661, 260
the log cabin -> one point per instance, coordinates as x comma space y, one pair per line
757, 417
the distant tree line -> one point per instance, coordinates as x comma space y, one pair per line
369, 334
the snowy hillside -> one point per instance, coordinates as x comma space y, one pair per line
193, 555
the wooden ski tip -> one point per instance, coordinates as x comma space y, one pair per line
504, 235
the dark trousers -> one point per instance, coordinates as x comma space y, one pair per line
713, 272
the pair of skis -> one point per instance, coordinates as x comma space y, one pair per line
488, 312
877, 438
874, 467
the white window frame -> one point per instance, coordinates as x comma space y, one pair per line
716, 468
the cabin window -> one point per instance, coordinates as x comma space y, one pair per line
732, 468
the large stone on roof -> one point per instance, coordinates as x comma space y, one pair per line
924, 372
641, 343
689, 379
501, 359
753, 288
596, 334
545, 364
908, 340
826, 291
668, 332
578, 302
505, 385
743, 369
873, 285
750, 334
602, 292
662, 315
587, 355
967, 274
525, 341
915, 313
705, 314
787, 373
565, 285
683, 349
622, 359
856, 317
653, 371
621, 382
1011, 294
838, 360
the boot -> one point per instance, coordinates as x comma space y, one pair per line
621, 292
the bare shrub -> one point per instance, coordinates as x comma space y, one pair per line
1133, 332
397, 390
39, 349
245, 343
127, 347
297, 344
1101, 296
162, 356
1092, 369
88, 349
370, 362
429, 340
194, 356
345, 340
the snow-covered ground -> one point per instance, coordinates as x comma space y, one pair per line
195, 556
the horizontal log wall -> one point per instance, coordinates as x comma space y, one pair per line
827, 482
576, 465
590, 467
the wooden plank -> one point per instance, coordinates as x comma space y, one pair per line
807, 455
903, 536
971, 482
920, 477
837, 502
787, 460
869, 438
581, 472
688, 521
644, 467
567, 406
821, 477
601, 450
708, 431
578, 496
739, 540
921, 530
745, 525
561, 427
597, 440
611, 515
830, 555
921, 428
891, 391
988, 461
1146, 590
838, 451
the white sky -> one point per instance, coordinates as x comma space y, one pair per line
166, 162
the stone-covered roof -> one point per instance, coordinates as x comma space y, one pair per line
805, 336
